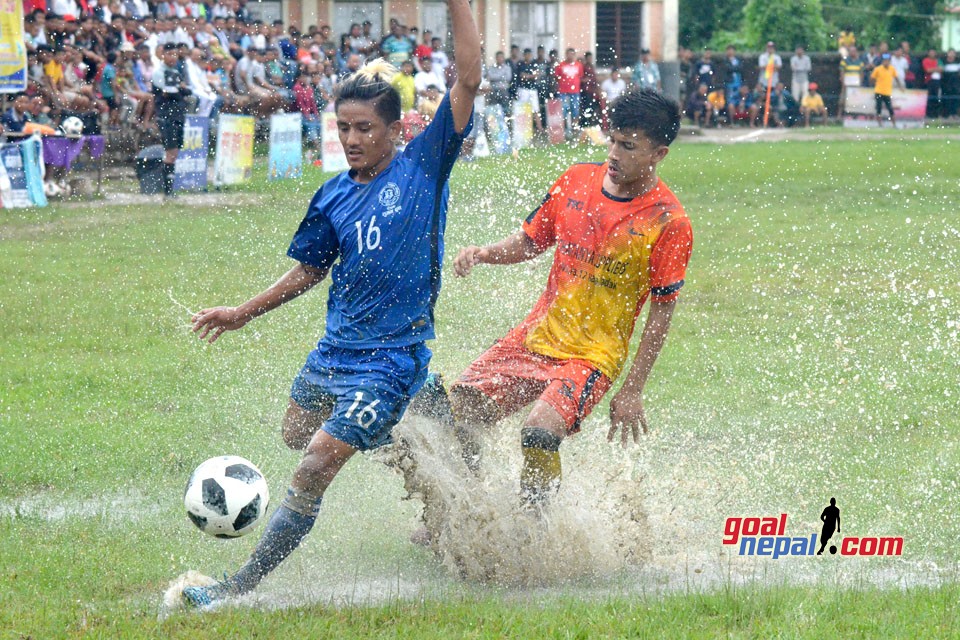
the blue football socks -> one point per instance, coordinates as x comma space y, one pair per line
288, 526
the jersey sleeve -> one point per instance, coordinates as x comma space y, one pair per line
668, 262
315, 243
541, 225
437, 147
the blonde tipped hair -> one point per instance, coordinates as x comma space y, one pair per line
377, 67
371, 83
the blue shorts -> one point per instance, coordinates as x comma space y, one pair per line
369, 388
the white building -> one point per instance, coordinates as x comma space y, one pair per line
613, 31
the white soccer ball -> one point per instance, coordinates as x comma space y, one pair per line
72, 126
51, 189
226, 497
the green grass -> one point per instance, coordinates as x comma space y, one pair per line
813, 354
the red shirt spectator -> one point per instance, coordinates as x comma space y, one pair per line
422, 51
29, 6
569, 75
931, 67
305, 100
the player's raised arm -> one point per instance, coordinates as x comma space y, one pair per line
466, 47
217, 320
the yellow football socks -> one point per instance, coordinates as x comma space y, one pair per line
541, 471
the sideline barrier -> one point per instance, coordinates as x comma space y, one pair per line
21, 174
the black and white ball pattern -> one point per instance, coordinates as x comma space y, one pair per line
226, 496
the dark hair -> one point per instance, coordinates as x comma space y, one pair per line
371, 83
648, 111
111, 57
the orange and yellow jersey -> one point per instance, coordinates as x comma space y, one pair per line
611, 253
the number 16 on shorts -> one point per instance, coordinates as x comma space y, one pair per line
363, 409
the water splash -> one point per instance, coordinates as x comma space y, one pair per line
593, 528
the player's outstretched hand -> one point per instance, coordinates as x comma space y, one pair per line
627, 416
214, 322
467, 259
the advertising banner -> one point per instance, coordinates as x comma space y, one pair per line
286, 146
191, 169
522, 125
332, 155
233, 163
22, 165
13, 51
499, 133
555, 125
909, 107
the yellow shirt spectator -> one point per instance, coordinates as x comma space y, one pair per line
408, 92
883, 77
54, 70
717, 99
813, 102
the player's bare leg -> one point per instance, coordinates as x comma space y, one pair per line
299, 425
473, 412
540, 440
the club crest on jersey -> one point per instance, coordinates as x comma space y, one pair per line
389, 198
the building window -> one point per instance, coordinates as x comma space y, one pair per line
618, 33
534, 24
435, 18
347, 13
267, 11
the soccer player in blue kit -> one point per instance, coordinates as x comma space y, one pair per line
382, 223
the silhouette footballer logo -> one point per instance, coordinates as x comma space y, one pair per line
831, 522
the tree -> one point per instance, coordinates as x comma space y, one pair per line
703, 21
876, 21
789, 22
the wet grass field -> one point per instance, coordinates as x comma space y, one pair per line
813, 355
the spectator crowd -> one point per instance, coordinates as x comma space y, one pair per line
94, 59
714, 92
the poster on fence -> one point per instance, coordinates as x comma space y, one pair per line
190, 172
555, 124
522, 125
13, 51
332, 155
909, 107
286, 146
233, 163
499, 133
21, 163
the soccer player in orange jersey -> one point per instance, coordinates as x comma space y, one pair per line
620, 237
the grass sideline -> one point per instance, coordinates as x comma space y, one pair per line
816, 330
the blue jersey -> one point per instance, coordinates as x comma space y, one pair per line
388, 236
